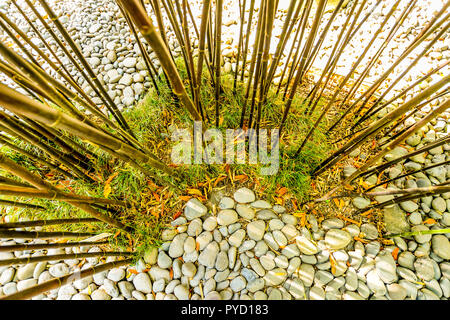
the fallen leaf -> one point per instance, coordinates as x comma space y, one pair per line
241, 177
176, 214
157, 197
221, 178
395, 253
333, 264
366, 212
107, 189
294, 203
336, 202
111, 177
185, 198
282, 191
195, 192
360, 240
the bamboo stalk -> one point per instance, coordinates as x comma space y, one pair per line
37, 182
374, 109
258, 67
78, 151
270, 12
201, 52
307, 52
322, 37
172, 15
356, 84
46, 246
52, 52
11, 182
17, 42
13, 234
7, 122
42, 80
210, 42
247, 38
289, 23
412, 113
336, 53
34, 110
9, 203
34, 193
424, 34
347, 77
255, 50
407, 133
296, 59
144, 53
157, 10
218, 54
241, 29
299, 77
291, 50
36, 133
56, 257
21, 79
188, 6
425, 148
66, 75
410, 173
145, 25
193, 80
435, 190
378, 125
109, 102
57, 282
34, 157
37, 223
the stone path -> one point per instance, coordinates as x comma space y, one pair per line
110, 48
245, 248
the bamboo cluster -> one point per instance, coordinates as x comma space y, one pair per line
55, 124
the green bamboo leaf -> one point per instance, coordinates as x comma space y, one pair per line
418, 233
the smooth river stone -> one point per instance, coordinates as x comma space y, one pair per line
208, 256
386, 268
256, 229
441, 246
275, 277
245, 211
306, 246
244, 195
337, 239
227, 217
194, 209
176, 248
236, 238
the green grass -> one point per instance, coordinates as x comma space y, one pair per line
294, 173
152, 120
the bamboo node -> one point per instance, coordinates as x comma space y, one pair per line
120, 149
57, 121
